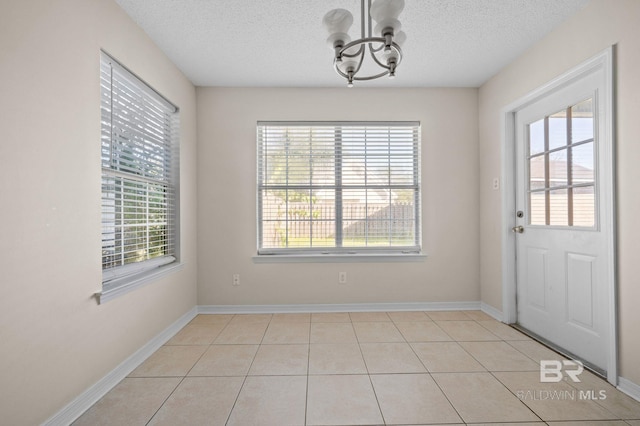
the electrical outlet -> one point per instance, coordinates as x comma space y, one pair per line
236, 279
342, 277
496, 183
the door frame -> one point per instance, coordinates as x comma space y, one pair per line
602, 62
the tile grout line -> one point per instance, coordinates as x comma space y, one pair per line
516, 396
179, 383
446, 396
368, 373
457, 342
306, 397
185, 375
165, 401
431, 374
244, 380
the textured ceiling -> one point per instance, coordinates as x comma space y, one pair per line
281, 43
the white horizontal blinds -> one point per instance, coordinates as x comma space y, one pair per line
338, 186
139, 157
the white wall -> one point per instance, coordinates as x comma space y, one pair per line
601, 24
227, 198
55, 341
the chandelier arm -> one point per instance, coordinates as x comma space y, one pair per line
362, 20
377, 61
338, 70
360, 61
371, 77
373, 49
369, 17
353, 55
360, 42
355, 78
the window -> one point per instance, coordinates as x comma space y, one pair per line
139, 152
561, 168
339, 187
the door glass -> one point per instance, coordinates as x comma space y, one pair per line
582, 121
558, 168
558, 130
558, 207
537, 166
538, 206
583, 206
536, 137
561, 168
582, 163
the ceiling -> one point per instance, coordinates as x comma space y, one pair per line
281, 43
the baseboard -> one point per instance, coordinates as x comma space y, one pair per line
85, 400
343, 307
630, 388
89, 397
491, 311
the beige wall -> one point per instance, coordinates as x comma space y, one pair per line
601, 24
227, 198
55, 341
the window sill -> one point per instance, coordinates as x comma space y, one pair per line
340, 258
127, 284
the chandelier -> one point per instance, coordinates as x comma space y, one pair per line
384, 49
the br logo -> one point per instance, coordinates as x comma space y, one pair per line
553, 371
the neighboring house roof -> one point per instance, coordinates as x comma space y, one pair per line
558, 171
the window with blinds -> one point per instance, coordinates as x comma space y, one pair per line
338, 187
139, 152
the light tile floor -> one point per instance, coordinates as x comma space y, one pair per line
364, 368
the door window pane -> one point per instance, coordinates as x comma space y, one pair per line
538, 205
536, 137
558, 168
537, 172
582, 163
558, 130
582, 121
584, 206
558, 207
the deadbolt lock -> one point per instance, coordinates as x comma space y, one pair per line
520, 214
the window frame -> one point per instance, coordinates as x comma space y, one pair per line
342, 253
570, 185
121, 279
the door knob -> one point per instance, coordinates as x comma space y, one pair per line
518, 229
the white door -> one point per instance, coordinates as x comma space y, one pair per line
562, 226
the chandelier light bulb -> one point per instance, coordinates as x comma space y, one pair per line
338, 21
385, 13
338, 40
386, 9
400, 38
348, 66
